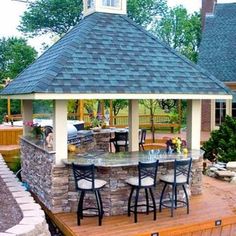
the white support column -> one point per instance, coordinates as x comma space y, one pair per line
133, 126
213, 114
228, 107
194, 124
60, 130
27, 114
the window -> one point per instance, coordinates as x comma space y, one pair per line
90, 4
111, 3
234, 109
220, 112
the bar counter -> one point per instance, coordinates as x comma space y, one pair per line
115, 168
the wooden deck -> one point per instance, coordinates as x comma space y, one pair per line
217, 203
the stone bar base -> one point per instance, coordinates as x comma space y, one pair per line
55, 185
116, 193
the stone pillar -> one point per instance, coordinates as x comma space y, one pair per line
133, 126
193, 124
228, 107
27, 114
60, 130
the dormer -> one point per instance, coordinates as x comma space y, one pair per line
106, 6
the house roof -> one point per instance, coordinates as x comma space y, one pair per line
218, 46
109, 54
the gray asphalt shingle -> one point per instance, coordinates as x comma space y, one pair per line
108, 53
218, 46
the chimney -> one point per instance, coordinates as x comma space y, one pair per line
207, 8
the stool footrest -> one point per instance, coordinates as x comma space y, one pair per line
169, 201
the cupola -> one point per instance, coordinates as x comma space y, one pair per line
106, 6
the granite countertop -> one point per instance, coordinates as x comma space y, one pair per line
101, 159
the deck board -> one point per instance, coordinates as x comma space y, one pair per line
216, 202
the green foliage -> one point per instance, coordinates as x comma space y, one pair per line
222, 143
180, 30
50, 16
117, 105
15, 56
16, 165
143, 12
58, 16
42, 107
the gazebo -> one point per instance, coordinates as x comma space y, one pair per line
108, 56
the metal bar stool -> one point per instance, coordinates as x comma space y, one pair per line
86, 182
146, 180
179, 177
121, 140
142, 139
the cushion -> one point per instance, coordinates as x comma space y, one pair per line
87, 185
122, 143
148, 181
169, 178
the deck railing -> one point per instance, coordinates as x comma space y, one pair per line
160, 121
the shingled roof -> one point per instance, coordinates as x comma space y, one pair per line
110, 54
218, 46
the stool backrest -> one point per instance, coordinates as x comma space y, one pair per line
182, 168
148, 170
83, 172
121, 136
143, 136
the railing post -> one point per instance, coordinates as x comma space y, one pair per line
81, 109
111, 113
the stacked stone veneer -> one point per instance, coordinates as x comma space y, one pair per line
33, 222
47, 180
102, 140
55, 185
115, 194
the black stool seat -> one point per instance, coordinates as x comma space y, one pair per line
146, 180
178, 177
86, 182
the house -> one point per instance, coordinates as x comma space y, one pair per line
218, 56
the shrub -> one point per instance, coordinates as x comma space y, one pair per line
222, 144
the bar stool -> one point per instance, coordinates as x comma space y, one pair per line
121, 140
146, 179
179, 177
142, 139
86, 182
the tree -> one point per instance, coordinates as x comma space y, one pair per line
180, 30
152, 105
143, 12
50, 16
15, 56
222, 144
58, 16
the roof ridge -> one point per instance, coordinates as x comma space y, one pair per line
195, 66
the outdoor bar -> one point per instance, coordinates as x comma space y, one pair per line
55, 185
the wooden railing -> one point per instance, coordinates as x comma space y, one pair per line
160, 121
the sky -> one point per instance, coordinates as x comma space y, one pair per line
10, 12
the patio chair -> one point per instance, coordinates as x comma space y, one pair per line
121, 140
86, 182
142, 138
146, 180
179, 177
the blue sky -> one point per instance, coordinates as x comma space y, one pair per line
10, 12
